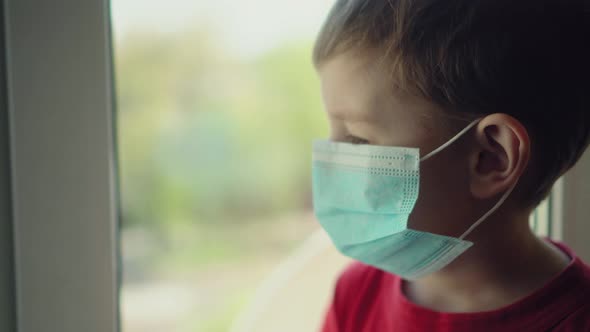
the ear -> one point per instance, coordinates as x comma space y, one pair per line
500, 156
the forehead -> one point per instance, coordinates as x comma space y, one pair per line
355, 88
350, 87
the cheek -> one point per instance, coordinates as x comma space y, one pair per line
337, 129
442, 206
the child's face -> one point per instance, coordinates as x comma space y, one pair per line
362, 107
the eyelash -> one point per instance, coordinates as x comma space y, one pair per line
356, 140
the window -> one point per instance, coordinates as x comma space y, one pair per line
217, 107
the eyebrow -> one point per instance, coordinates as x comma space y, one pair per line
351, 116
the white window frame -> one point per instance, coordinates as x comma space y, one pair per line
59, 261
571, 208
63, 198
7, 293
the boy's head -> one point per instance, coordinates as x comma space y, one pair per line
413, 72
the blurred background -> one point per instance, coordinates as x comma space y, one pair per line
217, 105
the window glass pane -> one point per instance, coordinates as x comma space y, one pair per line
217, 107
541, 219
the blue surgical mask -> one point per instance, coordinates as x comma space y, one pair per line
363, 196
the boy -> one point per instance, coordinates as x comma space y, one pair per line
478, 105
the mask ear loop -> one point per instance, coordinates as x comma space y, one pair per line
492, 210
500, 201
451, 141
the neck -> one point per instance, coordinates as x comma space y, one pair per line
501, 267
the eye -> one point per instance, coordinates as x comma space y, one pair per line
356, 140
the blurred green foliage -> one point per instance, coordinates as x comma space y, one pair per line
208, 137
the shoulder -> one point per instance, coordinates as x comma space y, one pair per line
357, 272
357, 275
578, 280
578, 321
356, 295
579, 268
358, 285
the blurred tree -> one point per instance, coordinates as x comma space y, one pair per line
206, 136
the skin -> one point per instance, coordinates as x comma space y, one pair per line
457, 187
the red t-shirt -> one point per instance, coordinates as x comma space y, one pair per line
369, 300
